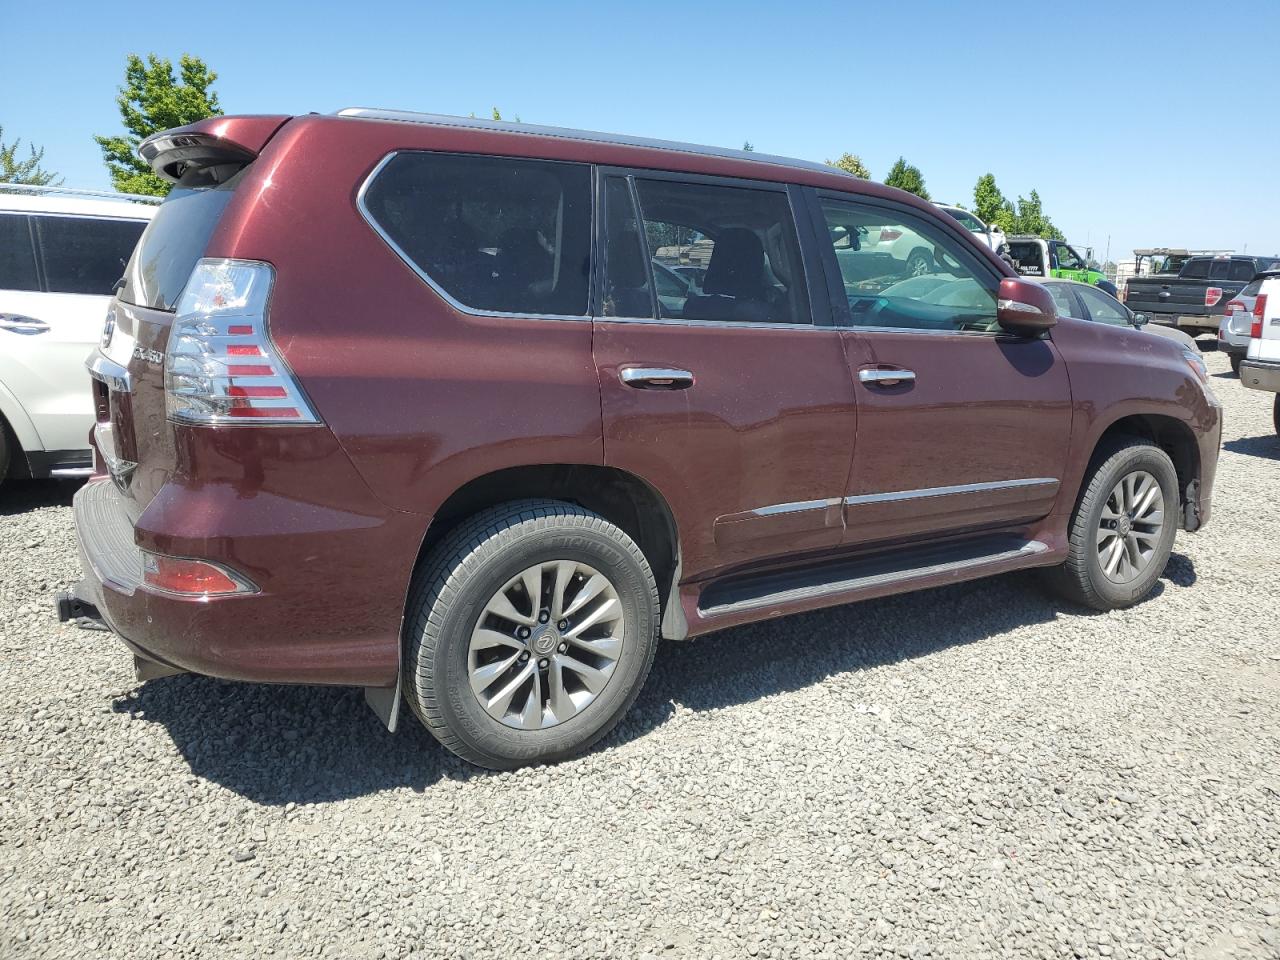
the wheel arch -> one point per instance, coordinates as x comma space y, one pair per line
620, 497
1171, 435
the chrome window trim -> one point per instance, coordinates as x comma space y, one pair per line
928, 492
721, 324
458, 305
800, 506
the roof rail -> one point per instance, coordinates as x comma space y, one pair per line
75, 192
591, 136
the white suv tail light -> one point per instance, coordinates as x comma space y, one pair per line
220, 365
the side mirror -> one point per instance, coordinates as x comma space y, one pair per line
1024, 307
1139, 319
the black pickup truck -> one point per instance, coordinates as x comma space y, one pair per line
1197, 297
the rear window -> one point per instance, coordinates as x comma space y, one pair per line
17, 254
495, 234
1196, 270
172, 244
1029, 257
1242, 270
84, 254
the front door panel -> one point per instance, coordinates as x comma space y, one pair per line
977, 440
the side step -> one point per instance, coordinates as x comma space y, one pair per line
898, 567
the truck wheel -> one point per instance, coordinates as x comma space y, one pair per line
1122, 529
1275, 414
1235, 365
4, 450
531, 630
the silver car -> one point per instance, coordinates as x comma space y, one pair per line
1233, 329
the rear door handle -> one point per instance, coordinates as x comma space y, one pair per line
656, 378
884, 377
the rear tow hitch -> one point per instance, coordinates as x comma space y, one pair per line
84, 613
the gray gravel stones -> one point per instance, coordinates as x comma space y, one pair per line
973, 772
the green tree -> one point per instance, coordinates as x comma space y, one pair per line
151, 100
987, 198
1030, 219
748, 146
28, 171
851, 163
908, 178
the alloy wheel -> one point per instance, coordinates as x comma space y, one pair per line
1130, 526
546, 644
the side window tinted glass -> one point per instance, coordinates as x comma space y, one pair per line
1219, 269
626, 285
905, 274
1062, 298
745, 240
84, 255
1103, 308
17, 255
1196, 269
496, 234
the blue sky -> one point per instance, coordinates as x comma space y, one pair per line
1151, 123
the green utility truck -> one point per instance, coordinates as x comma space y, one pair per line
1037, 257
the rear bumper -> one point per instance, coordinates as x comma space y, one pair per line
317, 617
1260, 375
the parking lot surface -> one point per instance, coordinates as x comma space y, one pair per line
971, 772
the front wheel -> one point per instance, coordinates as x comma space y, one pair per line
532, 629
1122, 530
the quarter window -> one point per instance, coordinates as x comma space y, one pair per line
85, 254
905, 274
745, 240
496, 234
17, 255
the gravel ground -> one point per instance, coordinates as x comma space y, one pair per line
973, 772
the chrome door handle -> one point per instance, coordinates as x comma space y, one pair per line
886, 378
656, 378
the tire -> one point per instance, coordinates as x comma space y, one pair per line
483, 566
919, 263
1235, 365
5, 450
1082, 578
1275, 414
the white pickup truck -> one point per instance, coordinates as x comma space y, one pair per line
1260, 369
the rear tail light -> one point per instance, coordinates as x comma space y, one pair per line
1259, 311
888, 235
221, 366
190, 578
1212, 296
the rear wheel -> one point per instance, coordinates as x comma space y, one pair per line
919, 263
532, 629
4, 450
1235, 364
1275, 413
1122, 530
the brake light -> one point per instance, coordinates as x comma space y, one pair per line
190, 578
888, 235
221, 366
1259, 311
1212, 296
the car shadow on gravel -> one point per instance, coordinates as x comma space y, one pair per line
280, 744
1267, 447
22, 496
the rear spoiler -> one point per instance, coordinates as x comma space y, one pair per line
216, 142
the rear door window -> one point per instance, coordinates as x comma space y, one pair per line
17, 254
84, 254
744, 238
1219, 269
494, 234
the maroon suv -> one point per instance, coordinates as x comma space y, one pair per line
471, 413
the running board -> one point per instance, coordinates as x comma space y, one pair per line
862, 574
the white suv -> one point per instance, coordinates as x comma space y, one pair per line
988, 234
61, 253
1260, 369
